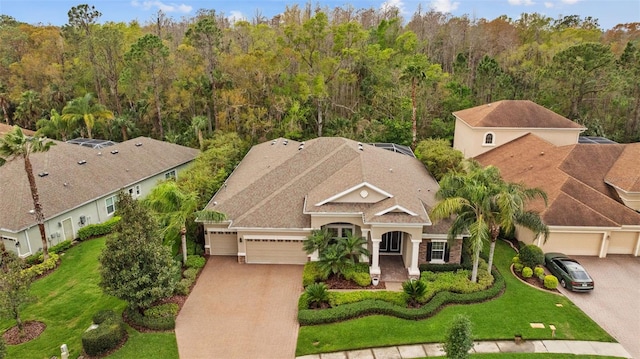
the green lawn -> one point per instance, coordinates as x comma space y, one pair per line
537, 356
66, 302
500, 318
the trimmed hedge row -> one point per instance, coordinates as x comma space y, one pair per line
106, 336
374, 306
97, 229
195, 261
151, 322
39, 269
60, 247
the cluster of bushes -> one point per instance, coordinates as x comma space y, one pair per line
529, 264
97, 229
60, 247
159, 317
355, 272
109, 333
378, 306
193, 266
37, 270
456, 282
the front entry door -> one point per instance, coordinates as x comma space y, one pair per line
391, 242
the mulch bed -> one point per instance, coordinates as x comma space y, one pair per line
341, 283
31, 330
534, 282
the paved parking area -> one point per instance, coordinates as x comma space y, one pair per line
615, 302
241, 311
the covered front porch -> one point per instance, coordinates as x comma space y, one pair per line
391, 247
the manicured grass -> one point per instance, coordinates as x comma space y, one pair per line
537, 356
500, 318
67, 299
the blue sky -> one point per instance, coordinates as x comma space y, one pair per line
608, 12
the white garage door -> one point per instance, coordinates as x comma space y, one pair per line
622, 242
275, 251
583, 244
224, 243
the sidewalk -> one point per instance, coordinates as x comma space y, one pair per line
435, 350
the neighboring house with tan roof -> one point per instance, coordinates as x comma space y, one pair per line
283, 189
593, 188
78, 186
4, 128
482, 128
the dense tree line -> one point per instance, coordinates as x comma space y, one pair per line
311, 71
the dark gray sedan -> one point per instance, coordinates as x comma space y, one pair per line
569, 272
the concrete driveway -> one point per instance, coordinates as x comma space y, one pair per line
615, 302
241, 311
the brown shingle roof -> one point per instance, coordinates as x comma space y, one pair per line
572, 176
514, 113
4, 128
69, 185
275, 185
625, 172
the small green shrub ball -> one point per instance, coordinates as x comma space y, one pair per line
550, 282
527, 272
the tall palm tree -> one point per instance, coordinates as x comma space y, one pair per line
56, 126
84, 110
175, 207
28, 109
199, 124
414, 72
15, 145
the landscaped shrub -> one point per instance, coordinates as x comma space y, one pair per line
341, 298
154, 323
531, 256
195, 262
415, 290
515, 260
103, 315
105, 337
162, 311
550, 282
373, 306
459, 338
183, 286
428, 276
3, 348
518, 267
361, 279
60, 247
527, 272
311, 273
97, 229
317, 295
538, 272
190, 273
40, 269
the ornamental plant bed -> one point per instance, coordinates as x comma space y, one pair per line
31, 330
533, 281
334, 282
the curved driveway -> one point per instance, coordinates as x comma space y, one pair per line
615, 302
241, 311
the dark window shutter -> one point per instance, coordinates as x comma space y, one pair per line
446, 253
428, 251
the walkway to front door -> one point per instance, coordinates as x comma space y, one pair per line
393, 269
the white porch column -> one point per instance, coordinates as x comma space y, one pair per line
414, 271
374, 270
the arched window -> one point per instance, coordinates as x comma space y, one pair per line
488, 138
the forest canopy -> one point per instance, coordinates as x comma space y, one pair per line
311, 71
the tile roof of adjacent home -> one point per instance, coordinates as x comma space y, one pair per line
514, 113
4, 128
572, 176
69, 184
279, 186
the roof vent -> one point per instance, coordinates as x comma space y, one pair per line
285, 142
138, 144
273, 142
43, 174
81, 162
360, 147
114, 152
301, 146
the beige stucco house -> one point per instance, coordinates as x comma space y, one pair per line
593, 187
283, 189
78, 186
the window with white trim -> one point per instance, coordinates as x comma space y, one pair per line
110, 204
170, 175
340, 230
489, 138
134, 192
438, 249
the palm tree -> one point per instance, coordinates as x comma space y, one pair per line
415, 73
318, 241
174, 207
4, 102
317, 295
414, 289
199, 124
56, 126
28, 109
124, 125
83, 109
333, 260
354, 247
14, 145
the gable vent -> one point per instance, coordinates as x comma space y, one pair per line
43, 174
81, 162
114, 152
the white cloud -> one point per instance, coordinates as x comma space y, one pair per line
570, 2
394, 3
548, 5
521, 2
235, 15
167, 8
444, 6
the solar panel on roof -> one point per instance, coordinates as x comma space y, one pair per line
91, 142
405, 150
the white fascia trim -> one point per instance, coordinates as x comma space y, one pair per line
273, 237
396, 207
401, 225
579, 229
354, 188
333, 214
264, 229
439, 236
